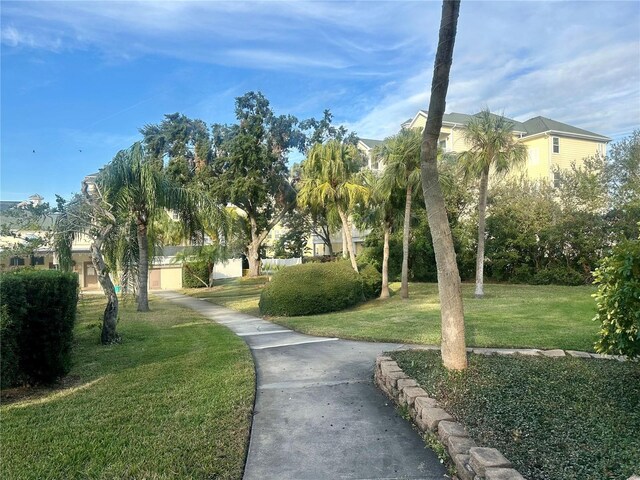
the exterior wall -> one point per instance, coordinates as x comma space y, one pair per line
538, 167
171, 277
229, 269
574, 150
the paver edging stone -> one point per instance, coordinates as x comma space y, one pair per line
472, 462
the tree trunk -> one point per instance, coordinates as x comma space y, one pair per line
110, 316
384, 293
253, 255
143, 268
253, 250
345, 249
404, 288
482, 212
454, 355
346, 228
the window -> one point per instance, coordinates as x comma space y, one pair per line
556, 145
37, 261
442, 144
16, 261
557, 179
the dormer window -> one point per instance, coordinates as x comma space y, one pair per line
556, 144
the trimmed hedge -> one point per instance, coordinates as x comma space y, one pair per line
38, 315
311, 288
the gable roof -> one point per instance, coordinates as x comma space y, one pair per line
370, 143
542, 125
454, 118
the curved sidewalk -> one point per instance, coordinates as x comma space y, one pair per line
318, 414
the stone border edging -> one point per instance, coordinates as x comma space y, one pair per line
472, 462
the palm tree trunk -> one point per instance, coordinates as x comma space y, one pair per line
345, 249
110, 316
384, 293
454, 355
404, 289
346, 227
482, 210
143, 268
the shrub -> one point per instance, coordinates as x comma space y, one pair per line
310, 289
371, 281
558, 276
191, 271
9, 360
39, 311
618, 300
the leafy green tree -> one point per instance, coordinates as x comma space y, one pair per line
493, 147
329, 179
293, 243
623, 181
139, 192
249, 165
454, 354
401, 156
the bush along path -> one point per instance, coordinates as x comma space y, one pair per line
317, 412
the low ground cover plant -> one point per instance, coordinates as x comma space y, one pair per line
568, 418
173, 400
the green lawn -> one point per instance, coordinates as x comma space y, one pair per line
554, 418
174, 400
525, 316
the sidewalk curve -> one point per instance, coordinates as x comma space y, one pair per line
318, 414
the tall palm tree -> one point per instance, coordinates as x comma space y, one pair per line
382, 210
401, 155
329, 178
454, 355
139, 191
493, 147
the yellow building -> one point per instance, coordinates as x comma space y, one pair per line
551, 144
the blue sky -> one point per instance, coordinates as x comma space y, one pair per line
80, 78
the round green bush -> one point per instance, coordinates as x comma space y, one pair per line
311, 288
371, 281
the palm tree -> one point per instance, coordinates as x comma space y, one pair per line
493, 146
401, 155
329, 179
381, 211
454, 355
88, 214
139, 191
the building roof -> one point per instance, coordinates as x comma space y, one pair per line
541, 125
533, 126
370, 143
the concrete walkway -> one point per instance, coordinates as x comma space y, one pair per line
318, 414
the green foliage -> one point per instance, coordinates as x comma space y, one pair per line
40, 308
558, 275
618, 300
195, 275
310, 289
10, 358
552, 417
371, 281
